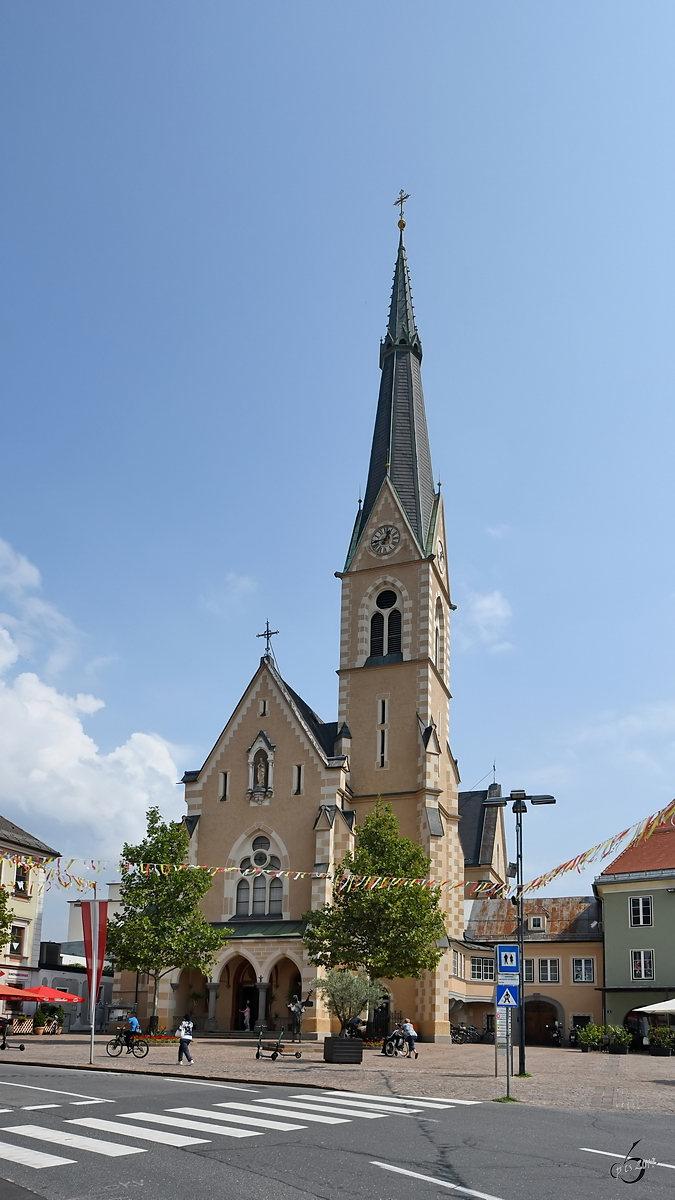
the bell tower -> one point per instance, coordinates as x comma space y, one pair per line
395, 633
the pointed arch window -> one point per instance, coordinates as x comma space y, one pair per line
259, 895
242, 898
376, 635
394, 632
276, 897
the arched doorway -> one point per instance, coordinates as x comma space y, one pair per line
285, 981
540, 1017
244, 992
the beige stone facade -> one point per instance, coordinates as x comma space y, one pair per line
282, 785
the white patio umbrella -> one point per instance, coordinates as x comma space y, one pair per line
666, 1006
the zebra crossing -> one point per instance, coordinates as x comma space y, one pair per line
182, 1127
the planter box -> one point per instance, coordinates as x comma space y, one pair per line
584, 1048
618, 1049
342, 1050
660, 1051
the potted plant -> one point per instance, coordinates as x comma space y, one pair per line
346, 995
620, 1039
590, 1036
39, 1021
660, 1041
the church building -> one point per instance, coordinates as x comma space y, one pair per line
284, 790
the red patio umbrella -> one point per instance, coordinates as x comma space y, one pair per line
51, 995
10, 993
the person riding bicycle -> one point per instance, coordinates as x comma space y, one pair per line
132, 1030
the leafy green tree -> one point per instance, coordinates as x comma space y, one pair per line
347, 995
161, 927
391, 933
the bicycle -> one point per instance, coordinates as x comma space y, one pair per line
116, 1045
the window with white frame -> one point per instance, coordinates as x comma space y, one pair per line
549, 970
21, 878
536, 924
583, 970
642, 964
482, 968
458, 961
262, 894
16, 941
640, 910
528, 970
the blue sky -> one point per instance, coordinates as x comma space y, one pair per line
198, 246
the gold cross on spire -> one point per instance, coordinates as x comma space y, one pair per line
398, 203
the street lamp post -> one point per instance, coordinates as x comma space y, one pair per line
518, 808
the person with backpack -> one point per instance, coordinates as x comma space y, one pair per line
184, 1035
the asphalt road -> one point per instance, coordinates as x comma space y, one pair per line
284, 1143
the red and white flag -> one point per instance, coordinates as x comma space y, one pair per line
95, 928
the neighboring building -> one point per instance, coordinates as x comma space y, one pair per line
19, 958
637, 891
284, 789
563, 958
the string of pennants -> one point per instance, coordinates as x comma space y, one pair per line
57, 870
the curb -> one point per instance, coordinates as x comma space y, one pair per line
165, 1074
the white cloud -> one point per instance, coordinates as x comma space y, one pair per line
498, 531
221, 600
52, 774
482, 619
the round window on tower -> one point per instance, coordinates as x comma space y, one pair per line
260, 858
386, 599
261, 843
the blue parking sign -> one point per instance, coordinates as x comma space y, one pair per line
508, 960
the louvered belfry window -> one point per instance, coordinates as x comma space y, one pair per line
394, 632
376, 635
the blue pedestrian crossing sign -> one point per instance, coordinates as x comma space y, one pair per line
507, 995
508, 960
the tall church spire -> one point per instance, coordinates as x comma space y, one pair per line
400, 449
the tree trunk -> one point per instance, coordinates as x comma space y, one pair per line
153, 1023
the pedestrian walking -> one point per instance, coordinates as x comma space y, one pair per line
247, 1017
184, 1035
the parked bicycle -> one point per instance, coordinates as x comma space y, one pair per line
116, 1045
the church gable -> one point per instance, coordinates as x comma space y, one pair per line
387, 535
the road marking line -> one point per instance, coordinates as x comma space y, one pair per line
6, 1110
148, 1135
74, 1102
54, 1091
63, 1137
358, 1106
230, 1087
312, 1106
274, 1112
26, 1157
443, 1099
160, 1119
261, 1121
609, 1154
454, 1187
32, 1107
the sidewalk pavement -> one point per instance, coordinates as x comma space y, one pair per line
560, 1078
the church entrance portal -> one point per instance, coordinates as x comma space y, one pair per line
244, 991
539, 1021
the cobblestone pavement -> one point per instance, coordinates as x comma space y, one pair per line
560, 1078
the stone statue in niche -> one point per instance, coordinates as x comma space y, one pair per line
260, 772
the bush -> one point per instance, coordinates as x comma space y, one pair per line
40, 1019
619, 1035
591, 1035
662, 1036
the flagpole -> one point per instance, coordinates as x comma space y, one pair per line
94, 978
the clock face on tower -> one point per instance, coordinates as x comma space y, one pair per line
385, 539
